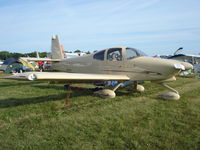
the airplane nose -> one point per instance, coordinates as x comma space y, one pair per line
187, 66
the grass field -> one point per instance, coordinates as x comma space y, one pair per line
32, 117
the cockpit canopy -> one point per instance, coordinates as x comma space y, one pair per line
118, 54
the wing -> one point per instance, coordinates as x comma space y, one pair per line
68, 77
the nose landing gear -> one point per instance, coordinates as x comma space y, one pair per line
173, 95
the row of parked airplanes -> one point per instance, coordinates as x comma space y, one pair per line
112, 64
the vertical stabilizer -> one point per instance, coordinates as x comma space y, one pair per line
56, 50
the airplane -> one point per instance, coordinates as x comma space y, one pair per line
112, 64
192, 59
1, 62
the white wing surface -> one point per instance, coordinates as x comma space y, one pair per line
69, 77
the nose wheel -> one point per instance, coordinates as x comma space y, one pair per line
172, 95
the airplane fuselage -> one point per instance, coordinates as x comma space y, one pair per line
137, 68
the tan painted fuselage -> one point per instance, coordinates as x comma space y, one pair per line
137, 68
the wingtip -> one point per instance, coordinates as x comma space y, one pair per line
21, 76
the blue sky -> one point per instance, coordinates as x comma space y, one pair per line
153, 26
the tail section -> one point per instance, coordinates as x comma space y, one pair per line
56, 49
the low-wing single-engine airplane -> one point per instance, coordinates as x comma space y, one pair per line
112, 64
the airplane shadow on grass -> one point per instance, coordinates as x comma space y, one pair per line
55, 87
8, 84
13, 102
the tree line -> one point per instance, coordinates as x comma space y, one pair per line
5, 54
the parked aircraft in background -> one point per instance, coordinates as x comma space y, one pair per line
179, 56
111, 64
1, 62
73, 55
192, 59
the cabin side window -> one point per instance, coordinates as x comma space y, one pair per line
99, 55
114, 54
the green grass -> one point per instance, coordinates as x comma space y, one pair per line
32, 117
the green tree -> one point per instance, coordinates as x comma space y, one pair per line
77, 51
4, 55
43, 54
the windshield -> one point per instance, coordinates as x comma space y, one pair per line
132, 53
141, 53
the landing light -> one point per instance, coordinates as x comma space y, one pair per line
179, 66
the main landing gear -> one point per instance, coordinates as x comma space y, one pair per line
138, 88
107, 93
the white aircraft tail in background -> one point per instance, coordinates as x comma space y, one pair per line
37, 55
